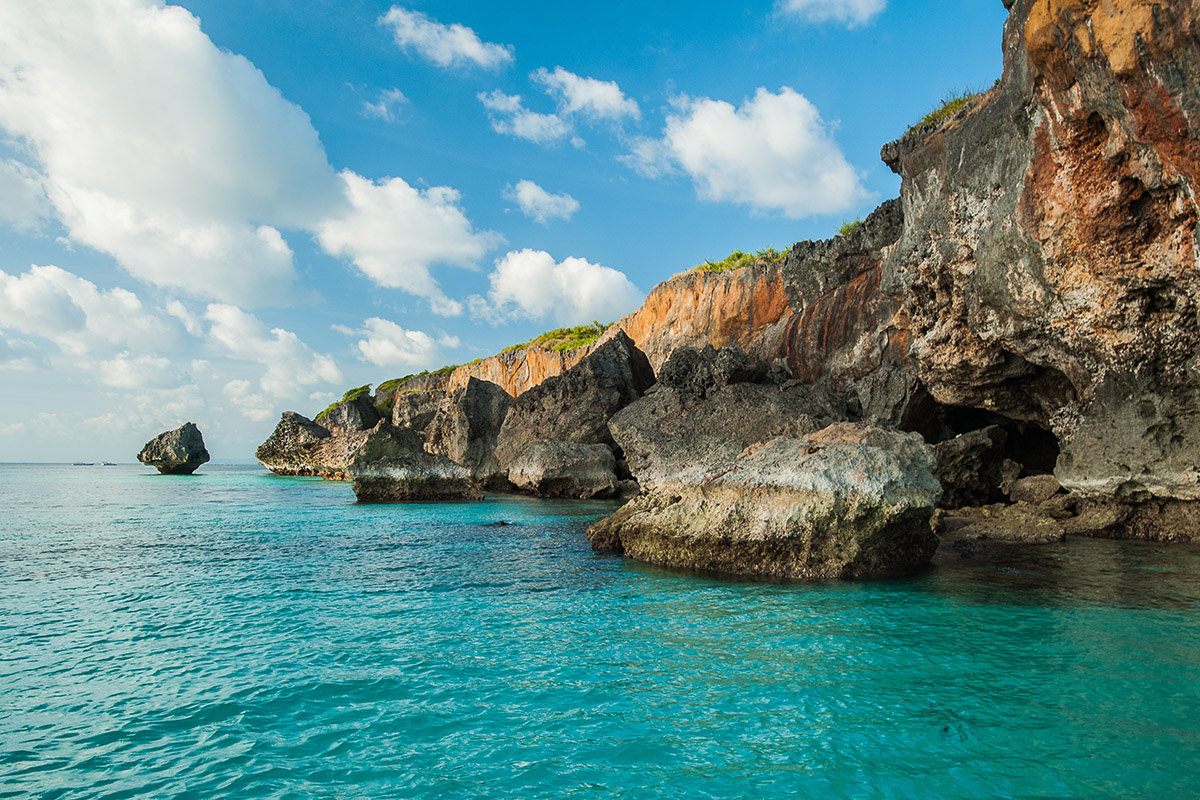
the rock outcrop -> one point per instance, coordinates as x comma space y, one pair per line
575, 407
565, 469
1049, 268
747, 306
409, 475
177, 452
753, 479
465, 428
844, 502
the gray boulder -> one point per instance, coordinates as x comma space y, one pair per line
973, 469
845, 502
565, 469
576, 405
672, 436
389, 464
414, 475
415, 409
177, 452
289, 448
465, 428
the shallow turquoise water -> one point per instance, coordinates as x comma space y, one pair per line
240, 635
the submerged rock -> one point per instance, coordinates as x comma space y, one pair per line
1019, 522
844, 502
177, 452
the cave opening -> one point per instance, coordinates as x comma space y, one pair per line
1029, 444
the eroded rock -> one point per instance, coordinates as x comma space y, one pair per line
176, 452
565, 469
465, 428
846, 501
576, 406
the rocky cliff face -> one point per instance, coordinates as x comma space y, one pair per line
747, 306
1048, 266
518, 371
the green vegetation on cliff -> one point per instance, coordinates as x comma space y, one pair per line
737, 259
351, 394
564, 339
847, 227
951, 104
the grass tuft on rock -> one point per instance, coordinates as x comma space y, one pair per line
738, 259
564, 339
849, 226
951, 104
351, 394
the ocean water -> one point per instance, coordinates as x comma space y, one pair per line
240, 635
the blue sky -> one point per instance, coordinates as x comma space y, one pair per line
217, 211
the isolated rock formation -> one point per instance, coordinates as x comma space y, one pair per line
177, 452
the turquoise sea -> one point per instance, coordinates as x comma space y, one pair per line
240, 635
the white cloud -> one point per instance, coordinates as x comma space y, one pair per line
774, 153
253, 405
540, 205
529, 283
592, 98
290, 363
394, 233
19, 355
508, 116
386, 344
75, 314
444, 45
173, 156
388, 107
128, 371
850, 12
23, 201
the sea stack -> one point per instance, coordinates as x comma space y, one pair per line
177, 452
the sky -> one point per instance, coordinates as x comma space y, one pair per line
216, 211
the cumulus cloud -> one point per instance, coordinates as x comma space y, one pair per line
592, 98
290, 363
144, 371
531, 284
510, 117
51, 303
445, 45
774, 153
175, 157
850, 12
387, 108
386, 344
540, 205
394, 233
19, 355
23, 201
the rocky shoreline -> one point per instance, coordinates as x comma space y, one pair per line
1010, 350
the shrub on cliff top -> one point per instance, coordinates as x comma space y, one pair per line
847, 227
737, 259
564, 339
951, 104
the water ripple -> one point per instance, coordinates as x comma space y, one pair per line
238, 635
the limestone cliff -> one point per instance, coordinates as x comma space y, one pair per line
1048, 266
